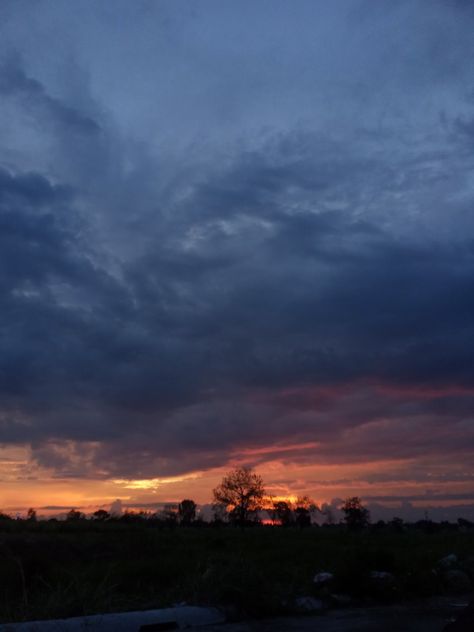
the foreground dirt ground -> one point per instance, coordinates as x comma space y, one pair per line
426, 616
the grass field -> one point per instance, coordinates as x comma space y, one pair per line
54, 569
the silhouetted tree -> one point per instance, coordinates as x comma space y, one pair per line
304, 507
397, 524
242, 492
101, 515
74, 515
379, 525
31, 515
282, 511
187, 511
356, 516
219, 513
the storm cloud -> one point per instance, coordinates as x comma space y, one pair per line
224, 228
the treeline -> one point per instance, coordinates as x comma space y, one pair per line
171, 519
240, 500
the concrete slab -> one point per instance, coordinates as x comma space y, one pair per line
147, 621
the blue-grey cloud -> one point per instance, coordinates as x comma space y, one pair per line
187, 236
31, 94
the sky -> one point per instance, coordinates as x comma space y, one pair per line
237, 233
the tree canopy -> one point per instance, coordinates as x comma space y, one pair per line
356, 515
242, 493
187, 511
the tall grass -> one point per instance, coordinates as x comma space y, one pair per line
58, 569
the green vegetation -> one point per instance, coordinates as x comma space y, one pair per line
67, 568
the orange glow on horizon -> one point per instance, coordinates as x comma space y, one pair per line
25, 484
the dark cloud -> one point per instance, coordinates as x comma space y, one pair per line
256, 295
33, 97
164, 308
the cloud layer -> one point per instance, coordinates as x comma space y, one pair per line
219, 241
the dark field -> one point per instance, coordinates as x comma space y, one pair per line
59, 569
